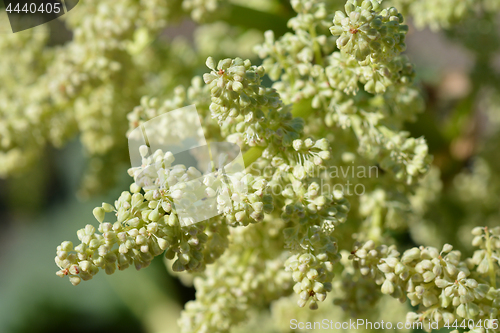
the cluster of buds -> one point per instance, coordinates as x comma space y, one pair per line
374, 38
310, 12
367, 31
314, 249
235, 284
312, 275
248, 112
308, 155
443, 286
235, 88
407, 158
142, 231
242, 205
148, 223
354, 293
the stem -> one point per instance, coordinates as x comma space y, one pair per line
356, 124
317, 50
489, 253
146, 139
302, 109
376, 224
252, 155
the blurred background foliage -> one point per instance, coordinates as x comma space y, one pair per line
458, 67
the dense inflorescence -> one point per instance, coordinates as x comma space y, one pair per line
146, 226
287, 226
86, 87
248, 276
444, 286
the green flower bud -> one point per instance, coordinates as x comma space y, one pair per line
75, 280
107, 207
387, 287
210, 63
461, 311
99, 214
